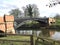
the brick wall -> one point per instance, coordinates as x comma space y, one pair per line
6, 24
2, 24
1, 20
9, 18
2, 27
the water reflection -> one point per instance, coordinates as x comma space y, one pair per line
54, 34
47, 33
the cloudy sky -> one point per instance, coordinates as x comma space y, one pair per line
7, 5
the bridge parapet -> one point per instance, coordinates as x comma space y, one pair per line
20, 20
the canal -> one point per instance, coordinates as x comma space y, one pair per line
54, 34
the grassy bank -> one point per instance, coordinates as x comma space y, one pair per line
41, 41
15, 40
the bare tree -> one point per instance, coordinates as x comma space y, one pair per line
53, 3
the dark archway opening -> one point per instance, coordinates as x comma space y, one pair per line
1, 33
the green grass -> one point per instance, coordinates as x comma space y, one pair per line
57, 21
26, 38
23, 38
16, 38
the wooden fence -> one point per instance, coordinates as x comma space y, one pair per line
2, 41
46, 41
39, 40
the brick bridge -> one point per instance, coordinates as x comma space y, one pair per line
42, 21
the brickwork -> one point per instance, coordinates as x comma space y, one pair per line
6, 24
1, 20
9, 18
2, 27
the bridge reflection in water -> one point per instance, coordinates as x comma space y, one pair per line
53, 34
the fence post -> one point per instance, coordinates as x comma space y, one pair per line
36, 42
54, 42
32, 41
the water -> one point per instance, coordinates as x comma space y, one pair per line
54, 34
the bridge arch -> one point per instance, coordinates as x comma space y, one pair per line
23, 22
1, 31
1, 35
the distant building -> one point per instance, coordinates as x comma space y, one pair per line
51, 21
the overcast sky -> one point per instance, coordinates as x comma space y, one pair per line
7, 5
